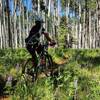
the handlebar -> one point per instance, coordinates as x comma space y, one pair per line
49, 44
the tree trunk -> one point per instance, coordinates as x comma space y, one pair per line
94, 36
15, 26
5, 26
86, 25
1, 24
49, 8
98, 13
90, 36
80, 27
19, 25
23, 26
9, 31
67, 18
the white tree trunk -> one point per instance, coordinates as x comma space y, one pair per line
49, 8
15, 27
0, 24
93, 32
84, 31
19, 25
23, 26
98, 22
38, 7
80, 26
67, 18
90, 35
76, 35
97, 18
27, 15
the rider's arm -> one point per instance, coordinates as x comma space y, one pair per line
47, 36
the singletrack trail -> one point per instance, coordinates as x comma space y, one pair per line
5, 97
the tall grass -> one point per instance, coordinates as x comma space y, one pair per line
79, 79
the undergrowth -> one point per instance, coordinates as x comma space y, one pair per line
79, 79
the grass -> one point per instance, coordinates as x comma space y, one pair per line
78, 79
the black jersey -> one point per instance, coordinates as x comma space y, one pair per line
34, 35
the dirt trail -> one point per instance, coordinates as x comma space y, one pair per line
5, 98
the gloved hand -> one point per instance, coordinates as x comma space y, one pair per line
52, 43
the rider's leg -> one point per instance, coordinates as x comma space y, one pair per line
31, 50
39, 50
33, 71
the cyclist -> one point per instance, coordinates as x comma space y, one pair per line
33, 40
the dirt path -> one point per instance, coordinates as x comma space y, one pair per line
5, 98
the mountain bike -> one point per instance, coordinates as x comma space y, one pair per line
45, 63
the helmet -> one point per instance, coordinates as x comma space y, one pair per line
39, 19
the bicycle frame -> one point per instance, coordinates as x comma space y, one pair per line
43, 53
41, 67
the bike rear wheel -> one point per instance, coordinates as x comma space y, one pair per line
29, 70
27, 65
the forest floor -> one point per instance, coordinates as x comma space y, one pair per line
86, 68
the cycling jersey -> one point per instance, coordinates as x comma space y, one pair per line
34, 35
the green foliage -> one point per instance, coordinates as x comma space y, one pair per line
79, 78
92, 4
40, 90
63, 30
12, 56
22, 89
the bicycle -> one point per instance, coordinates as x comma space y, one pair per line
45, 63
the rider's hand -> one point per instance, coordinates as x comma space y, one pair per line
52, 43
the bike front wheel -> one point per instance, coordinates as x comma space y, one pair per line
49, 62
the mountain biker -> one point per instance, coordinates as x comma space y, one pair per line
33, 44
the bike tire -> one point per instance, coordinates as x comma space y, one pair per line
28, 68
